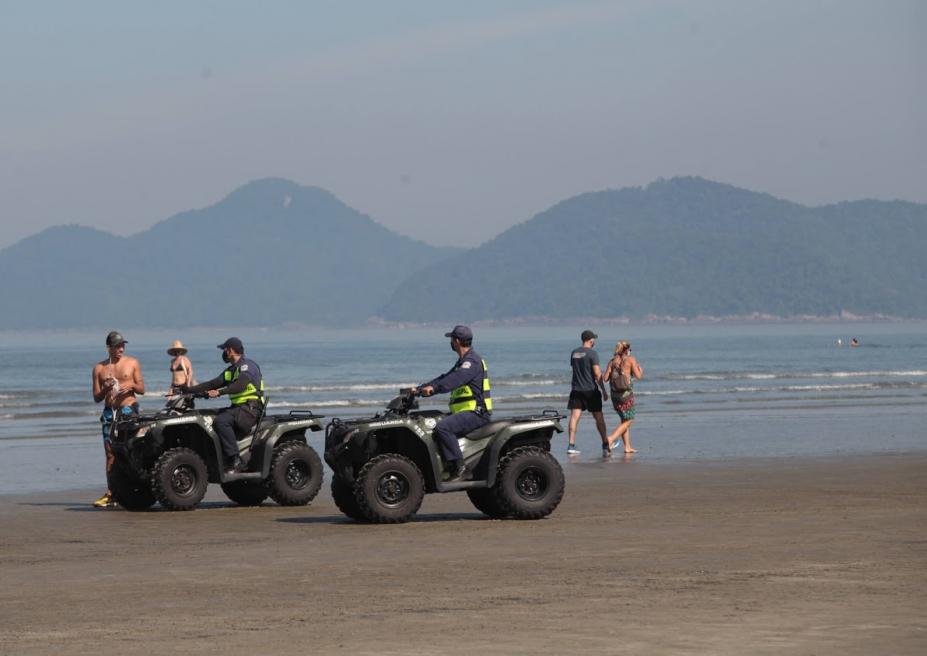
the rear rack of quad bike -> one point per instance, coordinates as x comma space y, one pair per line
305, 414
546, 413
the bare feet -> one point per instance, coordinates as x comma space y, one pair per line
630, 450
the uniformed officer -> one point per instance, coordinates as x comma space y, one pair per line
470, 402
244, 384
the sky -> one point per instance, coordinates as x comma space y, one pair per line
450, 121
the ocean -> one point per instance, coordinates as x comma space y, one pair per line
710, 391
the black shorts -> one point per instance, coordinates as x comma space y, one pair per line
590, 401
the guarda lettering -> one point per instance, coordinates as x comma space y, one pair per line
183, 420
380, 424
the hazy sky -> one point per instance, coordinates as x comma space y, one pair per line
450, 121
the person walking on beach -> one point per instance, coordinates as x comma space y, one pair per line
621, 371
181, 368
243, 382
470, 402
584, 392
117, 381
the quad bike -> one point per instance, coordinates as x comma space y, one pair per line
384, 465
170, 457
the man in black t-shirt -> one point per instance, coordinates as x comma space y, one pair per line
588, 390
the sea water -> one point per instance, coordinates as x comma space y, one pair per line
709, 391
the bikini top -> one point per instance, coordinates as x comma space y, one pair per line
179, 367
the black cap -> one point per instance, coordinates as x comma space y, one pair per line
115, 338
462, 333
587, 335
232, 343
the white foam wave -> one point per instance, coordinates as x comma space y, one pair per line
822, 388
336, 403
855, 374
748, 375
360, 387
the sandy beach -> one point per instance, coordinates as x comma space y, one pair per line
812, 556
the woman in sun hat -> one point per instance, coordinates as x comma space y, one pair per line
181, 369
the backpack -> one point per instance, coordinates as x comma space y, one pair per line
620, 382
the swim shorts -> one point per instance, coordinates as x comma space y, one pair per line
107, 418
590, 401
624, 406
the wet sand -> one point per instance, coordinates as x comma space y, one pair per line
813, 556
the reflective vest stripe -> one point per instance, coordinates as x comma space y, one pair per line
250, 393
463, 399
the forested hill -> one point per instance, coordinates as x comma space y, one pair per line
684, 247
270, 253
274, 253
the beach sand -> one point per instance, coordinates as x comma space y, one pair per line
811, 556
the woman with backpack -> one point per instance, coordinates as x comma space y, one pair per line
621, 370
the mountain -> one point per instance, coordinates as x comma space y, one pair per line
683, 247
270, 253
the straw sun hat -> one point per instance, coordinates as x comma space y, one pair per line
177, 348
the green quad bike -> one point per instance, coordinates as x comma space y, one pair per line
170, 457
384, 465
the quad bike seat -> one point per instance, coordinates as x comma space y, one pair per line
261, 422
487, 430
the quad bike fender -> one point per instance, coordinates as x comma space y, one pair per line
203, 438
267, 439
537, 433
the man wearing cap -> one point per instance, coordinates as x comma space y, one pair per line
243, 382
470, 402
584, 393
117, 381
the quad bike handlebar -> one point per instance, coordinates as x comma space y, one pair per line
405, 401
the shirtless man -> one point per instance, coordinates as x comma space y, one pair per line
116, 381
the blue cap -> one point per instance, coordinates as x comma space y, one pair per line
233, 343
462, 333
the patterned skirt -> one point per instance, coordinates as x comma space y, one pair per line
624, 406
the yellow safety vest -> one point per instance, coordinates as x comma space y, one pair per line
248, 394
463, 399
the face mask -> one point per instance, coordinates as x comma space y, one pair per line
225, 356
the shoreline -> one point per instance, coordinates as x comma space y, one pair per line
822, 555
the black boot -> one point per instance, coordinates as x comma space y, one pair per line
233, 465
458, 472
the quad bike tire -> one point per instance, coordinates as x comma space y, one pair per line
389, 489
179, 479
343, 496
484, 500
130, 492
295, 474
530, 483
246, 493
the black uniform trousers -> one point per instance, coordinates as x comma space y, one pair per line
232, 422
453, 426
